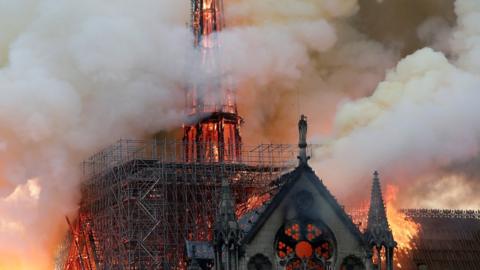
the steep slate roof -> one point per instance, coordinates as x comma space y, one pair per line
286, 182
247, 220
448, 239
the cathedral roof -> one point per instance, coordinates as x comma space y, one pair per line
248, 219
257, 219
447, 237
253, 221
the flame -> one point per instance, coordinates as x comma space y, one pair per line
359, 215
254, 202
404, 229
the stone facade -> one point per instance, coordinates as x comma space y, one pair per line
301, 226
347, 241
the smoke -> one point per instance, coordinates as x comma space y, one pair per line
388, 85
291, 54
75, 77
420, 124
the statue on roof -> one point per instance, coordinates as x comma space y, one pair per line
302, 129
302, 140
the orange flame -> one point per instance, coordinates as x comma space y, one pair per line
404, 229
252, 203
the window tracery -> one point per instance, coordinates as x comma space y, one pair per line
305, 245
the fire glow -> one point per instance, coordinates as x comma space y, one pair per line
404, 229
13, 226
254, 202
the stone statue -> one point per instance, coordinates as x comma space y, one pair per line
302, 129
302, 140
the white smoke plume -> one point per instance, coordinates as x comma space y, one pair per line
419, 126
283, 53
76, 76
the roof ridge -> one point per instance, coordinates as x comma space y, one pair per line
285, 187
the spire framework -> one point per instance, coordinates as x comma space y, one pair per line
212, 130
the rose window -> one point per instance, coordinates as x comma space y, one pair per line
304, 245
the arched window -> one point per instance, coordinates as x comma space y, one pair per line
305, 245
352, 263
259, 262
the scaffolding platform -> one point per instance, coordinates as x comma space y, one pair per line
141, 200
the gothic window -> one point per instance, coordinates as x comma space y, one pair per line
259, 262
305, 245
352, 263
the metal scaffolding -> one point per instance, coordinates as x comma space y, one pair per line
141, 200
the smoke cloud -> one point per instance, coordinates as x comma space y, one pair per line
75, 77
419, 126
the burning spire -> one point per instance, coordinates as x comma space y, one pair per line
213, 133
378, 233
